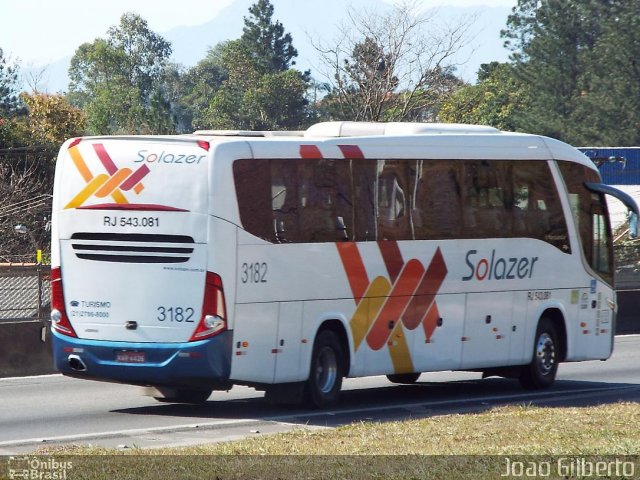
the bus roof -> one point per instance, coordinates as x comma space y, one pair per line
393, 140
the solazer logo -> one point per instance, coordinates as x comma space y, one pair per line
495, 267
115, 182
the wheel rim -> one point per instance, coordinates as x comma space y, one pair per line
545, 354
326, 370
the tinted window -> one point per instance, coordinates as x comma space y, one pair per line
325, 200
590, 215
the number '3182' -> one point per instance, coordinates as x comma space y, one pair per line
254, 272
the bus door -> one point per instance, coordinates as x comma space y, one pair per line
597, 303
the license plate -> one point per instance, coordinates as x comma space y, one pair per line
130, 357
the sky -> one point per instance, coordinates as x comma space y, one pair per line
39, 32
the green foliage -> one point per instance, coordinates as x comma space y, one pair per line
497, 99
191, 91
9, 101
254, 88
117, 80
579, 60
251, 100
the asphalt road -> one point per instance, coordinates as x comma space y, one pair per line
39, 411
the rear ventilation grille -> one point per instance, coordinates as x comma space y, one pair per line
132, 247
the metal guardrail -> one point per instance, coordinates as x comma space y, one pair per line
25, 292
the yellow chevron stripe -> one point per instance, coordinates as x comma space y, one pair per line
368, 309
399, 350
88, 190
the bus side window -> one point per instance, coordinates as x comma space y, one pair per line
252, 183
485, 206
284, 201
536, 196
436, 212
393, 216
325, 205
364, 199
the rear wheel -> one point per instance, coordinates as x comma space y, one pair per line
183, 395
406, 378
541, 372
327, 369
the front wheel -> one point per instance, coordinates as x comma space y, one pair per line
541, 372
327, 369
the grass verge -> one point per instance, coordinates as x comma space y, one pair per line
451, 446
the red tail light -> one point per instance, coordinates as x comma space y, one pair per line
59, 320
214, 312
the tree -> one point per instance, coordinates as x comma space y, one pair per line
391, 66
497, 99
579, 60
609, 106
269, 45
194, 89
52, 119
115, 79
258, 90
9, 100
252, 100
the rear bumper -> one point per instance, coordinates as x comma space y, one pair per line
203, 364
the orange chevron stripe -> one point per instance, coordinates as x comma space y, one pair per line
80, 164
113, 182
88, 190
354, 268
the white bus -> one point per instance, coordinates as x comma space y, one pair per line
287, 261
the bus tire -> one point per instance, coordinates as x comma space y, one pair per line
404, 378
184, 395
322, 389
541, 372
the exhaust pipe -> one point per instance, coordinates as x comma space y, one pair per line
76, 363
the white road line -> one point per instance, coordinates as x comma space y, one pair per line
282, 419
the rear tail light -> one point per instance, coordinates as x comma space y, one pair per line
59, 320
214, 312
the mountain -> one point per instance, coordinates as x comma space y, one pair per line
310, 23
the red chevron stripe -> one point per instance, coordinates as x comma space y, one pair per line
105, 158
392, 258
351, 151
426, 292
310, 152
399, 297
135, 177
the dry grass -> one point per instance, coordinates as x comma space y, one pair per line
451, 446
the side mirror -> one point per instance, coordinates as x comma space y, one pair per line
632, 219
